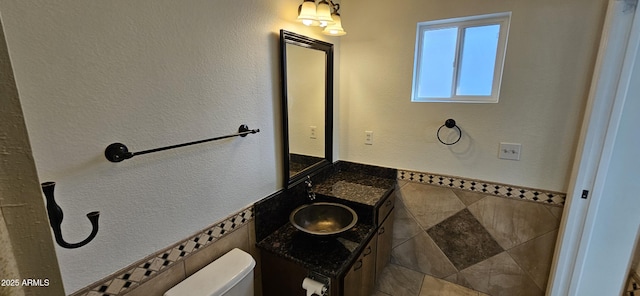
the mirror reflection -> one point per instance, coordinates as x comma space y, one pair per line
307, 102
306, 108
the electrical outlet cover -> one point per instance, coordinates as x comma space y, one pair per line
509, 151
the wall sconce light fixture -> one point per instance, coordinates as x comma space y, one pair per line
324, 15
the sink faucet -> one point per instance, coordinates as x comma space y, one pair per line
309, 187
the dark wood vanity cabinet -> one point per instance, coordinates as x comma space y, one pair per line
281, 276
384, 233
385, 206
360, 278
384, 240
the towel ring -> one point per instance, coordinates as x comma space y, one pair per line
449, 123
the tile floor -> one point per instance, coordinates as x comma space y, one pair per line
454, 242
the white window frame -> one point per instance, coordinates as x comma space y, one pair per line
503, 19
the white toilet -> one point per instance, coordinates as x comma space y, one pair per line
229, 275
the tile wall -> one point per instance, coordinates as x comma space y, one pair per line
159, 272
497, 189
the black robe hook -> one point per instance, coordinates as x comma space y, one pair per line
55, 218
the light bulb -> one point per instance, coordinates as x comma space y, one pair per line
335, 29
323, 13
307, 13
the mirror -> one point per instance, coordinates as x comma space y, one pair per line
306, 67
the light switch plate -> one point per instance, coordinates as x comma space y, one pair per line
312, 132
509, 151
368, 137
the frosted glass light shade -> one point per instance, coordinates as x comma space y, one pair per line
335, 29
323, 14
307, 13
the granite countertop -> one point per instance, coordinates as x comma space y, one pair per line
356, 187
331, 256
328, 256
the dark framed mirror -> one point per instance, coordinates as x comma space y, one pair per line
306, 67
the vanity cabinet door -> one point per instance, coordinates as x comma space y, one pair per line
369, 267
360, 279
385, 208
385, 234
353, 280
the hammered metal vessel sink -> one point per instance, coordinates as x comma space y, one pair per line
323, 218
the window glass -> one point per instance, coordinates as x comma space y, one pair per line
478, 60
460, 59
438, 56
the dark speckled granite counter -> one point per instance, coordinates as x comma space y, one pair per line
355, 187
358, 186
327, 256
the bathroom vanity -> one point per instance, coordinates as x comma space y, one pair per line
349, 262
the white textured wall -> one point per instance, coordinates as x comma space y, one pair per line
550, 56
148, 74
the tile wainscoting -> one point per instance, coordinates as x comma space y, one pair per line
497, 189
157, 273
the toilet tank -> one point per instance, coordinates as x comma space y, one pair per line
229, 275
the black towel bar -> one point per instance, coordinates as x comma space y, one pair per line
118, 152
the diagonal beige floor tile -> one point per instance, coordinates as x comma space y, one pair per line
556, 211
404, 226
430, 204
468, 197
535, 257
458, 279
422, 254
399, 281
512, 222
436, 287
500, 275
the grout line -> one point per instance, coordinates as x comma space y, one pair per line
525, 272
404, 241
425, 233
485, 229
445, 256
421, 283
554, 215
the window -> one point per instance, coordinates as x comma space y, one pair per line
460, 60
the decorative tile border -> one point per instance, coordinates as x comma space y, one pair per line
497, 189
134, 275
